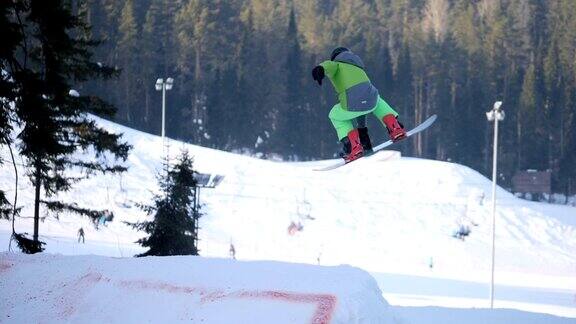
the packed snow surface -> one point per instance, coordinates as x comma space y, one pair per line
90, 289
392, 216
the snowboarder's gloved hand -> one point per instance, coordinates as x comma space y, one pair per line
318, 74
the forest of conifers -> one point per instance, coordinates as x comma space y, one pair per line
243, 82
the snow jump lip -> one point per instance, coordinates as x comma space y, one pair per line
54, 288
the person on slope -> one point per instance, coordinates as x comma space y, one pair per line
358, 97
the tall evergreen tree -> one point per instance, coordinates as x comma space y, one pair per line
174, 227
193, 26
243, 118
8, 88
158, 44
404, 85
128, 56
53, 115
289, 125
532, 122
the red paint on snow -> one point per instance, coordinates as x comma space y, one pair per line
156, 286
325, 303
75, 291
5, 266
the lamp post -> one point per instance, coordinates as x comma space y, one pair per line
495, 115
162, 85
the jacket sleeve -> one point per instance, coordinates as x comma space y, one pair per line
330, 68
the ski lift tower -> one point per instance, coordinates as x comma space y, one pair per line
203, 180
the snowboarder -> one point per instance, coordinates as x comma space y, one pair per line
358, 97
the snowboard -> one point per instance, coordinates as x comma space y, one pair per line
377, 148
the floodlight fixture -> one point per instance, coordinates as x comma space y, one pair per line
162, 85
169, 83
159, 83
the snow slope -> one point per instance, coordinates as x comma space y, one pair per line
391, 216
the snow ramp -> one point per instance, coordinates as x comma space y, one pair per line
48, 288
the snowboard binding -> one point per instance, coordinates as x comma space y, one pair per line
395, 128
352, 146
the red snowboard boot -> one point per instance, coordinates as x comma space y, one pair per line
395, 129
352, 146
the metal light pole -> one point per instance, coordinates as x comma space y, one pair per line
162, 85
495, 115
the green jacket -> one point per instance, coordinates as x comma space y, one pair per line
355, 91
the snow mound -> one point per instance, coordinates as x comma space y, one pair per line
93, 289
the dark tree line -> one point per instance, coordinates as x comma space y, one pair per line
242, 71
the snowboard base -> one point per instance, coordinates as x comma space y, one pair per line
377, 148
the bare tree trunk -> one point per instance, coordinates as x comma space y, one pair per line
430, 93
146, 106
519, 144
127, 98
197, 66
418, 116
562, 134
37, 186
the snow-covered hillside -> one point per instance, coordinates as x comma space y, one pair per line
394, 217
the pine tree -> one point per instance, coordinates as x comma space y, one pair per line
243, 118
562, 29
386, 74
56, 121
153, 62
531, 129
128, 54
8, 88
568, 157
193, 26
404, 85
289, 124
552, 105
174, 228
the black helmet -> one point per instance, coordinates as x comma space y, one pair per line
337, 51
